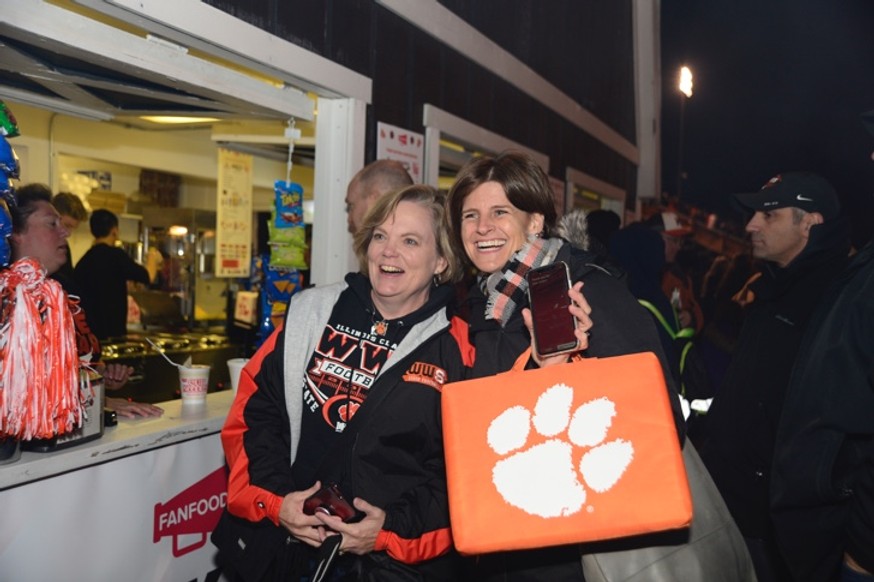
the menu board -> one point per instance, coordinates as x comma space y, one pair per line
234, 214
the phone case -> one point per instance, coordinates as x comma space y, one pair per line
329, 500
547, 297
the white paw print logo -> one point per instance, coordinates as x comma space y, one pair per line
542, 479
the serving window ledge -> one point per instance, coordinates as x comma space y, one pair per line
178, 424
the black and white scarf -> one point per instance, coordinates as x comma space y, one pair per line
506, 289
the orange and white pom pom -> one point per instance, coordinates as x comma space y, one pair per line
39, 366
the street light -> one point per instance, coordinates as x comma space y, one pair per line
685, 86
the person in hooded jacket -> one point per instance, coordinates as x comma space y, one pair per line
645, 253
797, 231
640, 251
348, 392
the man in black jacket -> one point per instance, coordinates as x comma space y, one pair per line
822, 490
797, 231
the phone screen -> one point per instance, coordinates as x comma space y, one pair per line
553, 323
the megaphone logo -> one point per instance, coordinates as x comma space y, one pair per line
194, 511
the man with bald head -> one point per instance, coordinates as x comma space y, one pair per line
371, 182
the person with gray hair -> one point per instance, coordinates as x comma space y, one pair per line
369, 184
590, 231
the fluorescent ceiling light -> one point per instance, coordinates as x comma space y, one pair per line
52, 104
262, 139
178, 119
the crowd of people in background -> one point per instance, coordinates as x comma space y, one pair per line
783, 332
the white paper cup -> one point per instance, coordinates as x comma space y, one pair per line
193, 382
235, 366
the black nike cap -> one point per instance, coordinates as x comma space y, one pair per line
805, 190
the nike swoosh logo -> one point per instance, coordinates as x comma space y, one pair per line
803, 199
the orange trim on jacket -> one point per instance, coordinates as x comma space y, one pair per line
459, 330
244, 499
410, 551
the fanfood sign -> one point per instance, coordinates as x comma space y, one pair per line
195, 512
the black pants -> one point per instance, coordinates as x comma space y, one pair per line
767, 560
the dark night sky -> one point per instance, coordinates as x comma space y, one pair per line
779, 86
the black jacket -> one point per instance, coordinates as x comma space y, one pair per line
823, 475
640, 250
390, 453
742, 421
621, 326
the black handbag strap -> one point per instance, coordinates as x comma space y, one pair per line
329, 549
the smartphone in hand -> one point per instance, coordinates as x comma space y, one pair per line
330, 501
548, 299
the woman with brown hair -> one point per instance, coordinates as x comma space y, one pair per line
502, 214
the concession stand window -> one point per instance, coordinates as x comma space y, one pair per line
132, 58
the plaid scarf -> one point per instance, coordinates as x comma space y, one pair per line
507, 289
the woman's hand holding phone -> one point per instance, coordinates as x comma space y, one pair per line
330, 512
307, 528
359, 537
581, 310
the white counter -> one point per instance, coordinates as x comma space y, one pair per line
137, 504
131, 436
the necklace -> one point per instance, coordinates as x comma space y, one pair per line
380, 327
